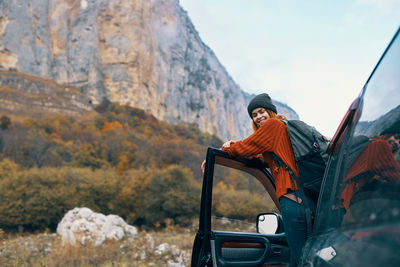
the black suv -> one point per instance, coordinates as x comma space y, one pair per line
357, 222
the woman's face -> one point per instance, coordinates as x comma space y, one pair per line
259, 115
394, 142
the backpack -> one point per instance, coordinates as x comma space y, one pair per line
309, 148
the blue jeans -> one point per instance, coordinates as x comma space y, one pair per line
295, 225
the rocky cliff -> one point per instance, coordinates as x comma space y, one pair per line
145, 53
27, 95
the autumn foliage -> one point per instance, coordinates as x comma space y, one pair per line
115, 160
119, 137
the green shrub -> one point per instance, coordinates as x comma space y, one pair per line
37, 199
8, 168
129, 203
172, 193
241, 204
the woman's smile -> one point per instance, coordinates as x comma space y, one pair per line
260, 115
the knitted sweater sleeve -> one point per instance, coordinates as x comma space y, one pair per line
262, 140
378, 158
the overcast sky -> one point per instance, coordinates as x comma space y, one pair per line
314, 55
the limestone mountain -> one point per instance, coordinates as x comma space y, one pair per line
145, 53
27, 95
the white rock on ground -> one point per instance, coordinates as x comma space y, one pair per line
150, 241
179, 256
162, 248
85, 226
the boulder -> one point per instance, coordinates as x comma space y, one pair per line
85, 226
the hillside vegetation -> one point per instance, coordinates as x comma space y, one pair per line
117, 160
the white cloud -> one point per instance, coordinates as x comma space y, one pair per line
84, 4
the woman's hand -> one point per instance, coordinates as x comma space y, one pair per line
203, 166
228, 143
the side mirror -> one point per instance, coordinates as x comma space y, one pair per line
269, 223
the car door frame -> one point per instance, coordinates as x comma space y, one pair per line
209, 245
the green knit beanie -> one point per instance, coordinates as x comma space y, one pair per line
261, 101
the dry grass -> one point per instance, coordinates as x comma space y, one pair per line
47, 250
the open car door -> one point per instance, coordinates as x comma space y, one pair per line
236, 248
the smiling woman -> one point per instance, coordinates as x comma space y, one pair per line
271, 143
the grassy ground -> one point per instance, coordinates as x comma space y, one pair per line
167, 247
170, 247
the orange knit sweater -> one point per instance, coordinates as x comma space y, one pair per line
272, 136
378, 160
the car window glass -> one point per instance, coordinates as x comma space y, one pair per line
363, 183
370, 189
237, 200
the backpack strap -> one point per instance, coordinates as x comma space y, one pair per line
280, 163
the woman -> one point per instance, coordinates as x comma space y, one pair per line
270, 135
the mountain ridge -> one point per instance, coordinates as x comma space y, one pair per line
146, 54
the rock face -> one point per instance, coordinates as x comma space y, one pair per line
84, 226
29, 95
145, 53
